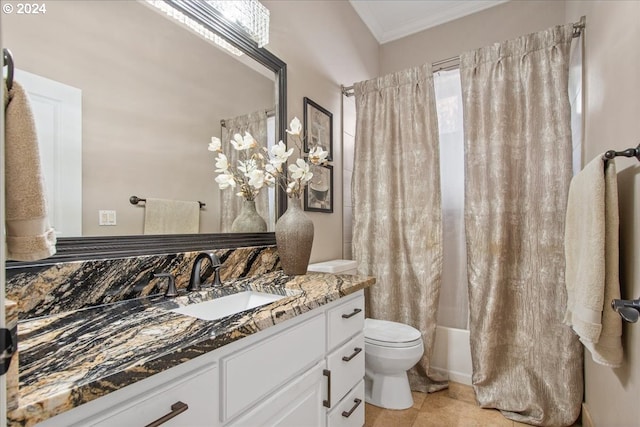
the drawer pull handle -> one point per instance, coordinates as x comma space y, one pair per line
348, 414
176, 409
327, 403
356, 351
355, 311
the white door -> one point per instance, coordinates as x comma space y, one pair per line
57, 109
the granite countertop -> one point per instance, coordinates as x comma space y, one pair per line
72, 358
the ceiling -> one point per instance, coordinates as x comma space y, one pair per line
390, 20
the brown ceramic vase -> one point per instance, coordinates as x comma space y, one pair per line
294, 238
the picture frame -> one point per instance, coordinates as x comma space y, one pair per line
318, 194
318, 128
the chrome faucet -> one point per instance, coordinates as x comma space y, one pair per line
195, 279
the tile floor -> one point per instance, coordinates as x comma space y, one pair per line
452, 407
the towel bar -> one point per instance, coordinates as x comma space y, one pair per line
7, 59
629, 310
629, 152
135, 199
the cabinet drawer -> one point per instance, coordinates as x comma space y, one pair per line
194, 389
346, 364
350, 411
297, 404
254, 372
344, 321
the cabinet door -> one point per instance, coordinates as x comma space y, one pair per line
255, 372
346, 364
344, 321
196, 391
298, 404
350, 411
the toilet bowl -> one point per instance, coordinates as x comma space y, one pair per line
391, 349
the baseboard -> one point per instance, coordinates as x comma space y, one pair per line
587, 421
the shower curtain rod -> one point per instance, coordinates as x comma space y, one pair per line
269, 113
454, 61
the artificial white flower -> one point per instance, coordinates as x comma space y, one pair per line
269, 179
225, 180
279, 155
222, 164
215, 144
247, 167
292, 187
249, 140
318, 156
240, 143
300, 171
295, 127
256, 178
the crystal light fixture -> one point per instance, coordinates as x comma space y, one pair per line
193, 26
251, 15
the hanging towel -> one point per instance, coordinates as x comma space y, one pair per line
171, 217
592, 261
29, 237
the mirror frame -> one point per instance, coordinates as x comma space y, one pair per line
90, 248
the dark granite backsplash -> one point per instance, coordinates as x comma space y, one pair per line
66, 286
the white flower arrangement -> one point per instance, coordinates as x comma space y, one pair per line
255, 172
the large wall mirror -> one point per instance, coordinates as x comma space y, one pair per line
149, 95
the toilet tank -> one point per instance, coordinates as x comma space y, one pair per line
335, 266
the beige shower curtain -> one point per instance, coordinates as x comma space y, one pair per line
230, 204
526, 362
397, 231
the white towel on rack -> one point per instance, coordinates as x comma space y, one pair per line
29, 236
592, 261
171, 217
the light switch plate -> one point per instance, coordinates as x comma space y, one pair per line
106, 217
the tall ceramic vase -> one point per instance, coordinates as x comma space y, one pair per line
248, 221
294, 238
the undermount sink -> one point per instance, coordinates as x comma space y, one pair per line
228, 305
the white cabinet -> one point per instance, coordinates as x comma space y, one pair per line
350, 411
345, 362
181, 396
297, 404
345, 320
260, 369
183, 402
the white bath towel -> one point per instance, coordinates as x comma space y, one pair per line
171, 217
592, 261
29, 236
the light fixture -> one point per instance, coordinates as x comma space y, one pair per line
251, 15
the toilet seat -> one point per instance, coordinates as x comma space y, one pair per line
384, 333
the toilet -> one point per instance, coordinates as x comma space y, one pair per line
390, 350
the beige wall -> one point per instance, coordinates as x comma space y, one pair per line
153, 95
502, 22
612, 121
324, 44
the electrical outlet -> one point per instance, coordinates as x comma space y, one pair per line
106, 217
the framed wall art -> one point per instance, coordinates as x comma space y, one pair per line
318, 194
318, 128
